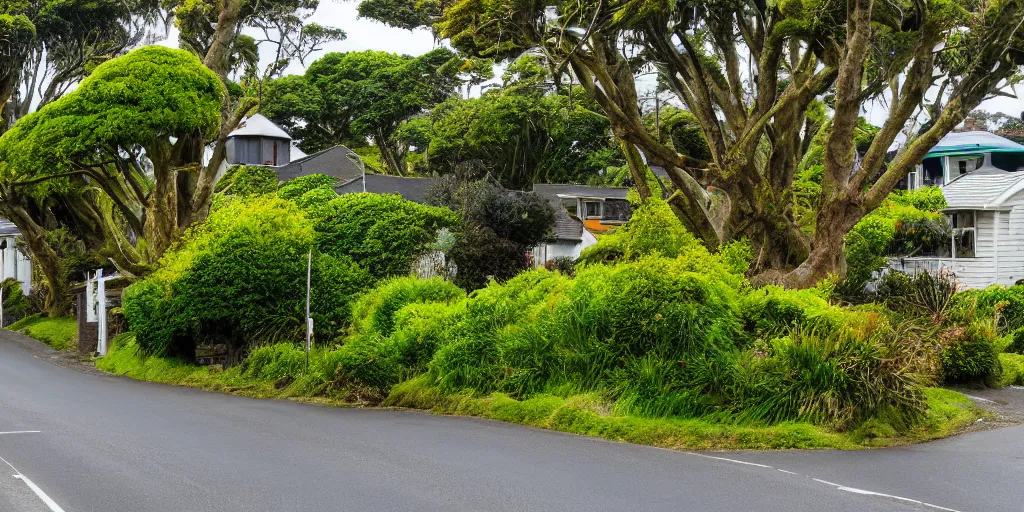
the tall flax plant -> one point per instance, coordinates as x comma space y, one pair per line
843, 377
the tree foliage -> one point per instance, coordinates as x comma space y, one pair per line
87, 149
347, 98
497, 229
520, 134
752, 74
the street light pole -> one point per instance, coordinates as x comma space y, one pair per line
362, 165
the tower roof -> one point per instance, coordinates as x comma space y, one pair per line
258, 125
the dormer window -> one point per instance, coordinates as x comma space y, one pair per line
592, 209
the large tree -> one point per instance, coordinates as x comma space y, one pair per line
54, 44
749, 71
349, 98
48, 46
524, 132
119, 145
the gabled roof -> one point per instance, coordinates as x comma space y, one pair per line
258, 125
986, 188
411, 189
550, 190
331, 161
973, 142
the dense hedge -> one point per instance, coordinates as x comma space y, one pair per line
248, 180
240, 279
383, 232
656, 336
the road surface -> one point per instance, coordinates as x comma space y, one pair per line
77, 442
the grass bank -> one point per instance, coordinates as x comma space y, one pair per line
61, 333
587, 414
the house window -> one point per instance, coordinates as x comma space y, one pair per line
592, 209
571, 205
963, 166
964, 234
616, 210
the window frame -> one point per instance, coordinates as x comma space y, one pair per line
957, 232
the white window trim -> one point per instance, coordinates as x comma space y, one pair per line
600, 208
959, 231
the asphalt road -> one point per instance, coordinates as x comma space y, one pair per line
107, 444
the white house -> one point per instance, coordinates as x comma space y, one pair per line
960, 153
985, 205
580, 213
14, 264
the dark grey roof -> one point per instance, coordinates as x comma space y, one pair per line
568, 227
331, 161
659, 171
551, 190
7, 228
411, 189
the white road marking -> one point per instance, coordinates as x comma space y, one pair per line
54, 507
831, 484
21, 432
731, 460
901, 498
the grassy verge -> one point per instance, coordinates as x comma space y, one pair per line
61, 333
948, 412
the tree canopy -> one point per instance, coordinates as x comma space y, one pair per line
751, 72
349, 98
116, 150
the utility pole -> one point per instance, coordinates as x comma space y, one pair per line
309, 320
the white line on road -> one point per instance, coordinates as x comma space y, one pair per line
835, 485
21, 432
731, 460
54, 507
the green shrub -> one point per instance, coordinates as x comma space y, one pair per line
1017, 345
970, 359
240, 279
375, 311
15, 301
904, 225
841, 377
420, 330
366, 365
1013, 369
382, 232
1007, 303
773, 311
924, 198
652, 230
925, 294
274, 362
316, 198
248, 180
297, 187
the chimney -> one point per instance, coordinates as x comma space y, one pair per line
971, 124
